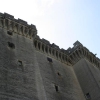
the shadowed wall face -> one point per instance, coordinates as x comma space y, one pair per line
58, 79
89, 78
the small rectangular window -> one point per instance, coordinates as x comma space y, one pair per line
20, 63
87, 96
49, 59
11, 45
20, 66
56, 88
9, 33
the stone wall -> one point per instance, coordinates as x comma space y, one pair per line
54, 74
33, 69
89, 78
26, 74
17, 67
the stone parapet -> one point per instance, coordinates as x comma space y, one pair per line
83, 52
19, 26
69, 56
51, 50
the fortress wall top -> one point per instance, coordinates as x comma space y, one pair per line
19, 26
69, 56
79, 51
52, 50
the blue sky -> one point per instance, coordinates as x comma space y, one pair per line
60, 21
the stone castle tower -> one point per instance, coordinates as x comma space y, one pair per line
33, 69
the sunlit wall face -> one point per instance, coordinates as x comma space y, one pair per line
60, 21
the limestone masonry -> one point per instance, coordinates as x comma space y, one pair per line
33, 69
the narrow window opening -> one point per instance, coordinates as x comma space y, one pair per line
77, 53
58, 74
11, 45
87, 96
25, 31
39, 46
20, 63
46, 50
43, 48
16, 28
56, 88
63, 57
9, 33
49, 50
35, 43
21, 29
53, 52
49, 59
57, 54
1, 22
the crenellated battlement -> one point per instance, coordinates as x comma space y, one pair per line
79, 51
69, 56
19, 26
52, 50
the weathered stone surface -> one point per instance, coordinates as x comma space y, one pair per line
27, 74
89, 78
